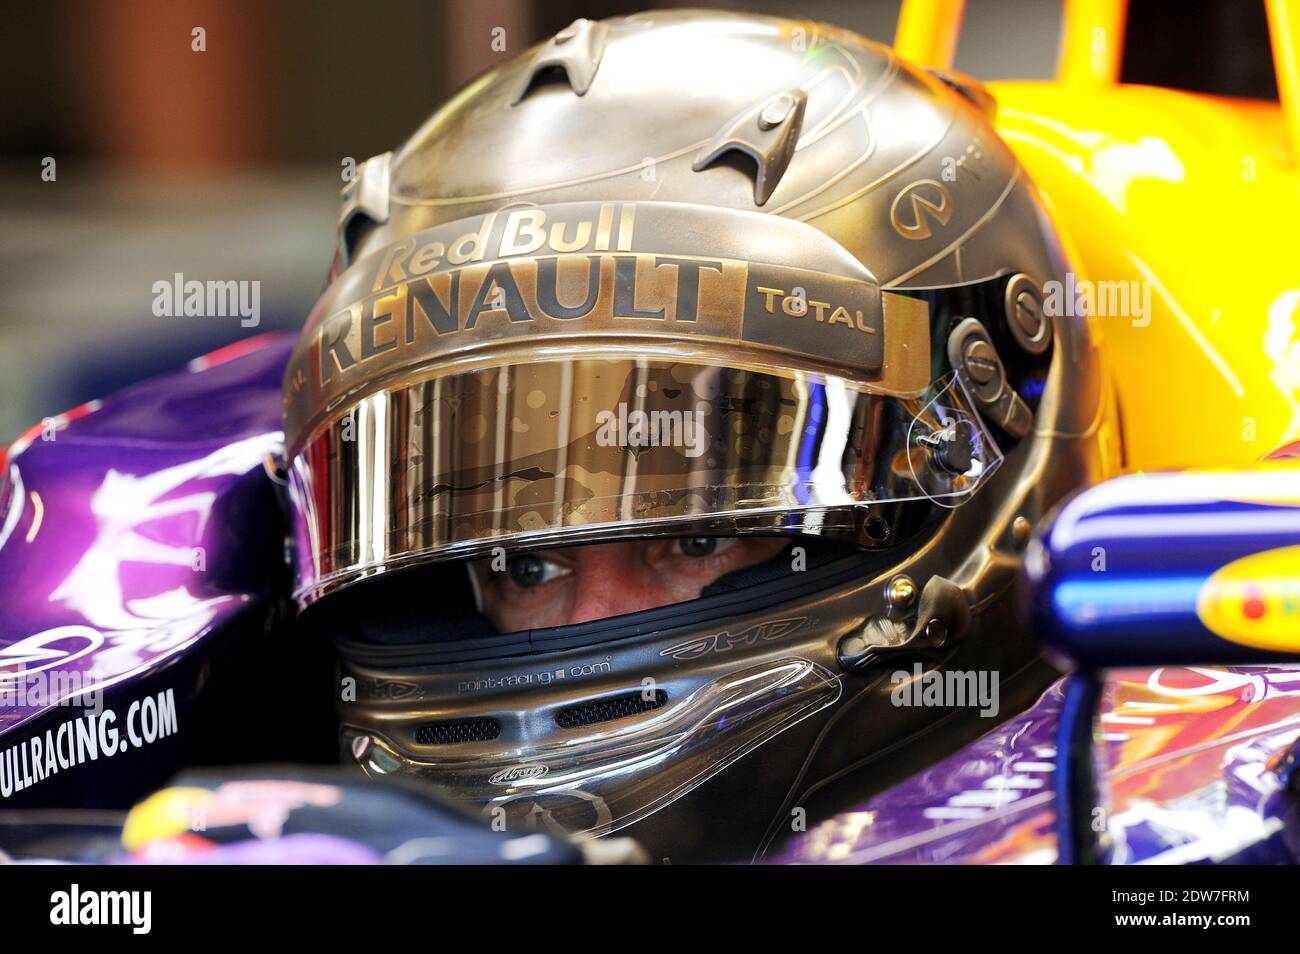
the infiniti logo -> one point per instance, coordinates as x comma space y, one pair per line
517, 773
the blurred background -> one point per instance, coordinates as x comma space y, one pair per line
127, 156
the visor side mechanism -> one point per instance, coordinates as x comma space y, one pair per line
943, 616
977, 363
953, 448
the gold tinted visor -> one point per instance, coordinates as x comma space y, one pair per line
581, 372
563, 452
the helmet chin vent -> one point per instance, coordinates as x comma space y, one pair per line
452, 733
607, 710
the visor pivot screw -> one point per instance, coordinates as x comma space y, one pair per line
901, 592
1029, 312
981, 361
1025, 314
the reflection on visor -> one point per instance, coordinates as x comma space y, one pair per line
598, 782
553, 452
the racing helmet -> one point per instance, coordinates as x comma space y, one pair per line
686, 274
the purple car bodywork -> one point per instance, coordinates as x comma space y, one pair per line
1196, 763
131, 530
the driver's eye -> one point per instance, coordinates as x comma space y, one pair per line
529, 569
698, 546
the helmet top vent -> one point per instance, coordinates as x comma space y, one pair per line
766, 133
576, 51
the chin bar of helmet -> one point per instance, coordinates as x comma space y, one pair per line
707, 681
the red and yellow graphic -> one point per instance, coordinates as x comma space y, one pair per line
1255, 601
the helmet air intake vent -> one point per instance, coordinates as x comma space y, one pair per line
609, 709
453, 733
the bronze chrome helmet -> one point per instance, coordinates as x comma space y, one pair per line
819, 271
